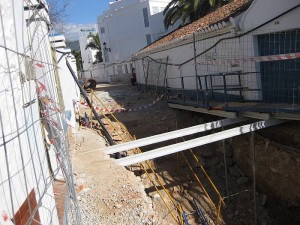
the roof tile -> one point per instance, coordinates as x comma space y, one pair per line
216, 16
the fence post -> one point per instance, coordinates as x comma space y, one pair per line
165, 78
196, 72
240, 86
206, 92
105, 131
182, 86
225, 89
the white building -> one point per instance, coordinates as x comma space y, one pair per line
127, 26
87, 55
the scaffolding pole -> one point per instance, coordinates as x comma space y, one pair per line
106, 133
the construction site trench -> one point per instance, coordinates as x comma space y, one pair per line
171, 189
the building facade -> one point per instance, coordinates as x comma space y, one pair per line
126, 27
87, 55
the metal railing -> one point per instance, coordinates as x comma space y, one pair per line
217, 87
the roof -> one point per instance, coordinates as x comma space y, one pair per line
219, 15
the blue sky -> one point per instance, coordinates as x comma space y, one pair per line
86, 11
82, 14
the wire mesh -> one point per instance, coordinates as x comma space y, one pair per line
33, 146
230, 70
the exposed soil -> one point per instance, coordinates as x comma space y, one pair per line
110, 194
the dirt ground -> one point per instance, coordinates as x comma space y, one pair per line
111, 194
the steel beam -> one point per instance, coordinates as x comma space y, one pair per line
159, 152
171, 135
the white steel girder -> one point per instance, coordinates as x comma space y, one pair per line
172, 135
159, 152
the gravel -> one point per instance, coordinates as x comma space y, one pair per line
107, 193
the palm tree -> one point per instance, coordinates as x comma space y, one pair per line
189, 9
95, 44
78, 59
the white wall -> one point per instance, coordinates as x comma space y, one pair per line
157, 26
106, 73
22, 159
69, 89
125, 31
263, 10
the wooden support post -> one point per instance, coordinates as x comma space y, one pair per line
196, 72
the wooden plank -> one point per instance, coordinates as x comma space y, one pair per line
205, 111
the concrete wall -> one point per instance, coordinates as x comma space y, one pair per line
106, 73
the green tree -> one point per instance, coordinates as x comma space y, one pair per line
189, 9
78, 58
95, 44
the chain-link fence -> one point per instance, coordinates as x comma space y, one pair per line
222, 67
36, 180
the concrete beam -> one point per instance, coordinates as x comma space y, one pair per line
159, 152
171, 135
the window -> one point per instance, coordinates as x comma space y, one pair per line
148, 38
102, 30
155, 10
126, 69
146, 18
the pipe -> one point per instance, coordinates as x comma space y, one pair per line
172, 135
106, 134
167, 150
